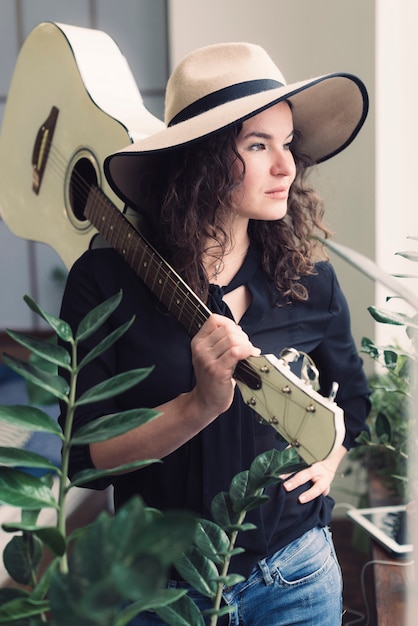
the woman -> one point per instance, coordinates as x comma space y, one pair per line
221, 193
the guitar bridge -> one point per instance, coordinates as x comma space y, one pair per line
42, 147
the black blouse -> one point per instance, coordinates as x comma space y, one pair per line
192, 475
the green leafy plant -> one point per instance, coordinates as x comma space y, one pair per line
389, 445
109, 571
385, 449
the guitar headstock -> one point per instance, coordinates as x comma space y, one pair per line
311, 423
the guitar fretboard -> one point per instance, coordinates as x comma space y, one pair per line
148, 264
155, 272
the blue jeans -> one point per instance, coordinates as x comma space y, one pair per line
301, 584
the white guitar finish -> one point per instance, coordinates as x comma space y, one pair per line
83, 75
312, 424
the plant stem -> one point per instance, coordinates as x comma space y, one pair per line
65, 455
225, 567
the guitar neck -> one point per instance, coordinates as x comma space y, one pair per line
147, 263
154, 271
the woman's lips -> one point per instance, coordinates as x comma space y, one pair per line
279, 193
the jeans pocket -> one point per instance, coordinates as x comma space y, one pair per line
309, 558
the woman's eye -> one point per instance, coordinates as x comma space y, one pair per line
257, 146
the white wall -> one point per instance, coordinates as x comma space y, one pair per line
396, 146
396, 169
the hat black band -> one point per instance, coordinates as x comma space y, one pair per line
222, 96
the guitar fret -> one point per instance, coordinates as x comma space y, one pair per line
198, 320
153, 270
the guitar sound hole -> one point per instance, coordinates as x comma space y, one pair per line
82, 178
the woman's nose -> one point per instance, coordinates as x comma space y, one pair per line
283, 163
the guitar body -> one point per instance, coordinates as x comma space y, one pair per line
72, 101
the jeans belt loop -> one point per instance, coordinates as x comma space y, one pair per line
265, 571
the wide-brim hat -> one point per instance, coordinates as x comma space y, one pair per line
222, 84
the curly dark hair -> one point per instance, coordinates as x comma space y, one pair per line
189, 197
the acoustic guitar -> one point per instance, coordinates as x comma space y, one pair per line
71, 103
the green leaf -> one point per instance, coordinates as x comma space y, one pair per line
97, 317
16, 457
238, 486
116, 557
243, 505
44, 349
231, 579
368, 347
363, 438
49, 535
141, 579
224, 610
211, 540
383, 427
61, 328
105, 344
88, 476
109, 426
411, 256
391, 358
198, 571
242, 497
23, 490
41, 589
183, 612
222, 510
11, 593
388, 317
160, 599
168, 536
31, 418
22, 608
267, 467
404, 365
56, 385
372, 270
240, 528
114, 386
22, 556
73, 606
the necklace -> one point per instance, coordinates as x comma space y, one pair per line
220, 266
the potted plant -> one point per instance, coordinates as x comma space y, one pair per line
391, 441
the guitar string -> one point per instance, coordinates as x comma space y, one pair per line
80, 189
180, 287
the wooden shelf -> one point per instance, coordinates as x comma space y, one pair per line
391, 576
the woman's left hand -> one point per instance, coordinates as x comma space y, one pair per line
320, 474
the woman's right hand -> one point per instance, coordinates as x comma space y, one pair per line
216, 350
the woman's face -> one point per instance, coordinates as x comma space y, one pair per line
264, 145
